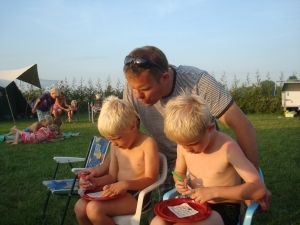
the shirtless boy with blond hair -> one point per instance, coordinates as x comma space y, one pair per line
214, 161
134, 165
35, 126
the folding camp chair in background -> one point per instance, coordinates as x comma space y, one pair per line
97, 151
92, 112
249, 212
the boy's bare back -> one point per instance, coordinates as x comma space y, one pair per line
36, 126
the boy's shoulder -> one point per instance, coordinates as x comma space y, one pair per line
223, 142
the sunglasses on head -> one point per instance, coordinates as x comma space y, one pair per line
141, 62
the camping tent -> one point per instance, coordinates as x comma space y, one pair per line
17, 102
27, 74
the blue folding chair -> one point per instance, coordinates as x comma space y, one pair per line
97, 151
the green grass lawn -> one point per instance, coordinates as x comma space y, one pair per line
24, 167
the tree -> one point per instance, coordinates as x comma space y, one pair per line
293, 78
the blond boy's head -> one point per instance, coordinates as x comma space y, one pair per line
48, 119
186, 116
116, 117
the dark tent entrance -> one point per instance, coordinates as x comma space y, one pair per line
17, 102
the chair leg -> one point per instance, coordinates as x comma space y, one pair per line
46, 204
66, 209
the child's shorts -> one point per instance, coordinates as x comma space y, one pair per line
147, 199
27, 130
230, 212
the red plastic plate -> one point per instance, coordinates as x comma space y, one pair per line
85, 196
161, 209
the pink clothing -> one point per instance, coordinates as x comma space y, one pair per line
60, 100
42, 134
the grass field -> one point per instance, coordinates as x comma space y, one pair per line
24, 167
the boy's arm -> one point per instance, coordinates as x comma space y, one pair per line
252, 189
112, 175
180, 170
180, 167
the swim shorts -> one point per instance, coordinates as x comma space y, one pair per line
27, 130
147, 199
230, 212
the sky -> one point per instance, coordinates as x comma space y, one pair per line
73, 39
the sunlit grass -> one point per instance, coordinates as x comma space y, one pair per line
24, 167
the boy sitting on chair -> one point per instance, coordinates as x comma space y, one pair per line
134, 165
215, 162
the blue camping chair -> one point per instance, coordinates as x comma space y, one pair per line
97, 151
249, 212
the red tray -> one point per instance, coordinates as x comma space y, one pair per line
161, 209
85, 196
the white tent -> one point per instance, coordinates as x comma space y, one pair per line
27, 74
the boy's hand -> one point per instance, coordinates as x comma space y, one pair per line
181, 186
83, 183
200, 195
114, 189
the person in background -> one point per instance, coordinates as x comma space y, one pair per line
96, 103
73, 109
60, 105
44, 103
58, 123
43, 134
35, 126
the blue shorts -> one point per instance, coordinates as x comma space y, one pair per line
27, 130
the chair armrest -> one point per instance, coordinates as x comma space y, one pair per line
171, 194
163, 163
250, 212
77, 170
59, 159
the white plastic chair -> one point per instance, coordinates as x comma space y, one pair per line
249, 212
134, 219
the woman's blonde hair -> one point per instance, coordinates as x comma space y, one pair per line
56, 92
117, 115
186, 116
